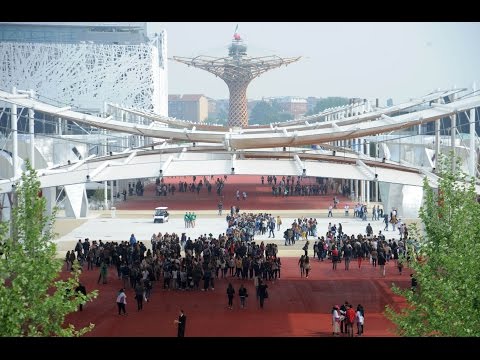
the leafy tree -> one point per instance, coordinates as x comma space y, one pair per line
33, 301
447, 301
264, 113
99, 195
215, 120
328, 102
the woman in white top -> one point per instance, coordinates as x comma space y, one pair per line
360, 318
121, 302
336, 320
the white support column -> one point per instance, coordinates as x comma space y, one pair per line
453, 132
368, 191
105, 195
437, 141
357, 190
362, 190
105, 143
473, 136
376, 191
31, 132
112, 190
13, 121
59, 126
351, 187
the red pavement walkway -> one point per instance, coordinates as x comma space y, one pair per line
258, 197
296, 306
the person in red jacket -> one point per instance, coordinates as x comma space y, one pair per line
349, 320
334, 257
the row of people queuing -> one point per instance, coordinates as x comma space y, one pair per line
358, 246
300, 228
321, 185
361, 211
110, 253
206, 258
245, 226
298, 189
163, 189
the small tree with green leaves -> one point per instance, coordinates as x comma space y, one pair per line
447, 301
33, 301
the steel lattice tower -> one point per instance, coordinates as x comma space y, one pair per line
237, 70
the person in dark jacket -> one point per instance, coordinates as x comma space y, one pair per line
242, 292
81, 290
182, 321
262, 292
230, 293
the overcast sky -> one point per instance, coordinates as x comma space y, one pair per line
365, 60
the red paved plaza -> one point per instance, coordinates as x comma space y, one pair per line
296, 306
258, 197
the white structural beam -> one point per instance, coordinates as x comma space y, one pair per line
300, 164
80, 163
63, 109
31, 132
99, 169
388, 119
129, 158
233, 163
445, 107
166, 164
366, 169
143, 165
265, 139
14, 122
472, 163
314, 120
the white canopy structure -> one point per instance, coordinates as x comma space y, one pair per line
196, 149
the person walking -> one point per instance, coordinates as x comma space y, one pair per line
360, 318
381, 262
182, 321
413, 283
121, 302
230, 293
262, 292
242, 292
139, 289
336, 320
80, 289
349, 320
334, 257
306, 266
279, 222
103, 273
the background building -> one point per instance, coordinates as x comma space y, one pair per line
293, 105
86, 64
192, 107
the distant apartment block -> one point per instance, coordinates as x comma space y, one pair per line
191, 107
293, 105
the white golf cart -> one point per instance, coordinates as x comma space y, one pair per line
161, 214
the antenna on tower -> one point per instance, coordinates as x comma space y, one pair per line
236, 36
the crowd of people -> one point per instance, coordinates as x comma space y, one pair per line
163, 188
303, 186
344, 317
234, 255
